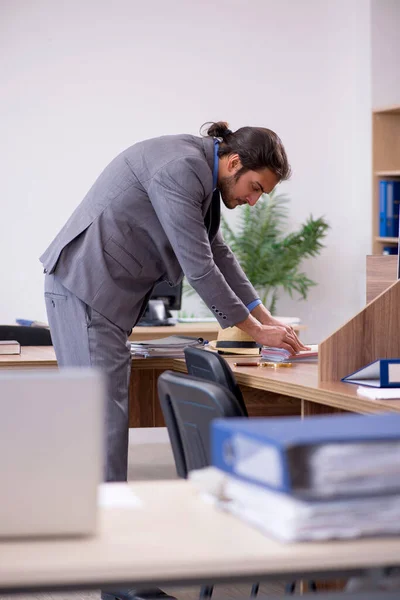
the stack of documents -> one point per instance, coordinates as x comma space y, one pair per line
290, 519
280, 355
379, 394
316, 478
169, 347
382, 373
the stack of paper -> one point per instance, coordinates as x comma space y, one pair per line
279, 355
379, 394
291, 519
169, 347
307, 479
371, 467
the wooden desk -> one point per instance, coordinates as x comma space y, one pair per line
196, 543
30, 357
205, 330
301, 381
267, 392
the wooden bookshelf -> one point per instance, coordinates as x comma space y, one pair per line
387, 240
385, 163
387, 173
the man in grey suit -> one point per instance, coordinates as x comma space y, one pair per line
152, 215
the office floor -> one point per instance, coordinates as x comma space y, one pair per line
150, 457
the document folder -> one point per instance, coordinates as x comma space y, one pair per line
317, 457
383, 373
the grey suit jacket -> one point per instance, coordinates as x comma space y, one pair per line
143, 221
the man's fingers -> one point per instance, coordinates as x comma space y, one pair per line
305, 347
291, 338
285, 337
288, 348
301, 345
291, 342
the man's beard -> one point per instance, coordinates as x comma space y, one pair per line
226, 186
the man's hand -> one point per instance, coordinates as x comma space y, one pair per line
263, 315
279, 336
276, 335
276, 323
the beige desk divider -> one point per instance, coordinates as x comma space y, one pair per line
372, 334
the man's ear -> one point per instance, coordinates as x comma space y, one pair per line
233, 163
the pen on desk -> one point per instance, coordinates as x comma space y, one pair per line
246, 364
263, 364
276, 365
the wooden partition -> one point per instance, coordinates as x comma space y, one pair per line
381, 274
372, 334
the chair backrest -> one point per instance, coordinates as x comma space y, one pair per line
26, 336
213, 367
189, 404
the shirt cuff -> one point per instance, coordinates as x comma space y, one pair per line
253, 304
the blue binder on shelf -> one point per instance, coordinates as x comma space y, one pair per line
382, 373
274, 452
382, 209
389, 202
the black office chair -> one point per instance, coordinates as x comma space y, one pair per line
26, 336
213, 367
189, 404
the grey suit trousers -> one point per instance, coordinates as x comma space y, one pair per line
83, 337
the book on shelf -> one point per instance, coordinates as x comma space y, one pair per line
389, 202
390, 250
10, 347
314, 458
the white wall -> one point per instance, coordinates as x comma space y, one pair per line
83, 80
385, 41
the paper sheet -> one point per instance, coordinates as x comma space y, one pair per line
379, 393
117, 495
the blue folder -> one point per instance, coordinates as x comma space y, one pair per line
383, 373
270, 452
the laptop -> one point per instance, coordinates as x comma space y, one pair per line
51, 451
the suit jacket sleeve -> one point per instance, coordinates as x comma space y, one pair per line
177, 193
232, 271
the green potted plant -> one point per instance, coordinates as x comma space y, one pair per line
270, 257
